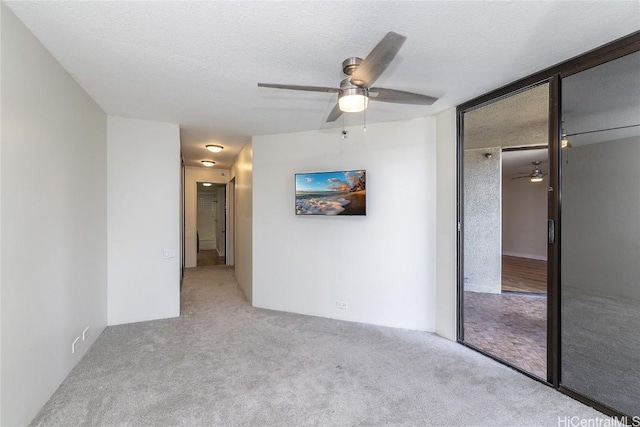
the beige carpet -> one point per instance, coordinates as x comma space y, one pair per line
224, 363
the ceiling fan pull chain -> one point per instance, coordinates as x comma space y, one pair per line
344, 132
364, 129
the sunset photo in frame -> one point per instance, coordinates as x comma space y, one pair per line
331, 193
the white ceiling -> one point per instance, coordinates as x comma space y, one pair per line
197, 63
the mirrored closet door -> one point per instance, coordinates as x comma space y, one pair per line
505, 210
600, 235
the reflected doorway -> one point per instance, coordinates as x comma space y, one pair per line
211, 224
504, 221
524, 220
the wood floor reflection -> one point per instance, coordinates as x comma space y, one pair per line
524, 274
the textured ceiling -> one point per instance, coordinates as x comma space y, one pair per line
519, 120
197, 63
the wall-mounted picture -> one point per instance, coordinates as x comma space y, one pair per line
331, 193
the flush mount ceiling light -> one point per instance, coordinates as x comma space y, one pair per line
214, 148
207, 184
207, 163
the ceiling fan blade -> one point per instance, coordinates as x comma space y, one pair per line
334, 114
399, 96
298, 87
520, 177
378, 59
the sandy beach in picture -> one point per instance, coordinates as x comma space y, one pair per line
331, 193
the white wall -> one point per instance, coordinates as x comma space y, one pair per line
193, 175
383, 264
143, 197
446, 225
242, 173
524, 218
483, 220
54, 218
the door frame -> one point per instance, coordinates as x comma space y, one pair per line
231, 222
552, 252
553, 75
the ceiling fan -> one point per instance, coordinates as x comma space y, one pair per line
355, 91
536, 175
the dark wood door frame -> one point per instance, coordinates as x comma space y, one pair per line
553, 76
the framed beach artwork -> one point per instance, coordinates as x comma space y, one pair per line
331, 193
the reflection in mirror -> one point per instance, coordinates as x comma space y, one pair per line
600, 247
505, 217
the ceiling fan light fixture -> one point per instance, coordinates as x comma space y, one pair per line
565, 140
353, 100
214, 148
536, 178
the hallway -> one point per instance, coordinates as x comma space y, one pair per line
225, 363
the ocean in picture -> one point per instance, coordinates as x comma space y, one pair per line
331, 193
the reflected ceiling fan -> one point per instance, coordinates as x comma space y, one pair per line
536, 174
355, 91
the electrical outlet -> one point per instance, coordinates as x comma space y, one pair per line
73, 345
85, 333
342, 305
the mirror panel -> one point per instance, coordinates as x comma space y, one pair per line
505, 218
600, 235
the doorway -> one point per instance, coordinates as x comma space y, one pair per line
505, 205
524, 220
211, 224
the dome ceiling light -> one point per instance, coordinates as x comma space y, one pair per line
214, 148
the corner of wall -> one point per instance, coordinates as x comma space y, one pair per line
242, 173
446, 235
